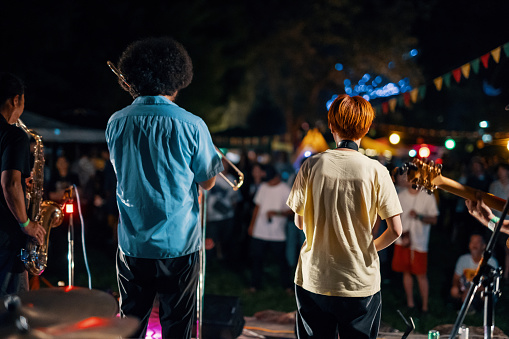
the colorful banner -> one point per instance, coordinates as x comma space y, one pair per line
463, 71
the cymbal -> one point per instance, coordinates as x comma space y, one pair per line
53, 306
90, 328
93, 328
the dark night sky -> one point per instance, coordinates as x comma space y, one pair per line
60, 48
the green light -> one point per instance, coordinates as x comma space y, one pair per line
450, 144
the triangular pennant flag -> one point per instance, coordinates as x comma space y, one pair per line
422, 91
447, 79
475, 65
465, 70
457, 74
406, 99
413, 95
401, 100
385, 107
392, 104
496, 54
485, 58
506, 49
438, 83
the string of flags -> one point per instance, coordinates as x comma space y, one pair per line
457, 74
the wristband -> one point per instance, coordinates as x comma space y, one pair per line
24, 224
492, 223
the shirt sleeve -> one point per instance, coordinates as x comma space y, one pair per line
16, 155
206, 162
296, 199
388, 201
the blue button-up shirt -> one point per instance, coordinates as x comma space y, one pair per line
159, 152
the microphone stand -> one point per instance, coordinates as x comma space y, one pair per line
67, 199
488, 277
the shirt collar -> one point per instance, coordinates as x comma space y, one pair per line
152, 100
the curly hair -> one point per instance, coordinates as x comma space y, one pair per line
155, 66
10, 86
350, 117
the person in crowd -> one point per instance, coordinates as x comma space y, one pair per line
61, 179
15, 224
221, 206
410, 256
500, 188
268, 228
336, 198
160, 153
466, 268
476, 177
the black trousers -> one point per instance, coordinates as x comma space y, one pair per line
173, 280
259, 250
324, 317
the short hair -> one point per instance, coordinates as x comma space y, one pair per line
155, 66
350, 117
10, 86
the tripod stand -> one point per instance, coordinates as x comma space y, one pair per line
489, 278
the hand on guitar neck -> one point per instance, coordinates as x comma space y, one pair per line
427, 176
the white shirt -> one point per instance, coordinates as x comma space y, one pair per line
423, 204
271, 198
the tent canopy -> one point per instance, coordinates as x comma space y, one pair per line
52, 130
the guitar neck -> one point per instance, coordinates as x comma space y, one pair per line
469, 193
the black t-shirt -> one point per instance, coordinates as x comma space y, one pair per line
14, 155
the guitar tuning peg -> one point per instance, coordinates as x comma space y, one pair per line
429, 191
415, 187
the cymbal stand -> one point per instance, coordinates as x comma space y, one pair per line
488, 277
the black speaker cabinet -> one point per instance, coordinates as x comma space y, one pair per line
222, 317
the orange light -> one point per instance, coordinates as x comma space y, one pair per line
69, 208
424, 152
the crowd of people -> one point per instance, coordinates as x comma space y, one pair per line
332, 220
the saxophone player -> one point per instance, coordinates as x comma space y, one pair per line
15, 168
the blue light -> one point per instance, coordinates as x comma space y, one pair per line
339, 67
378, 79
412, 153
365, 96
401, 83
347, 82
366, 77
307, 154
391, 65
414, 52
348, 91
56, 131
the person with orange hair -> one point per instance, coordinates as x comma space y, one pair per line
337, 196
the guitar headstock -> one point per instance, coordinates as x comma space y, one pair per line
422, 174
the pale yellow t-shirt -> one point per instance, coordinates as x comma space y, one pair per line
339, 193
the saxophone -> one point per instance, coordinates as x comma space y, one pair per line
48, 213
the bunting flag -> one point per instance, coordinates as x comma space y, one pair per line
422, 91
485, 58
438, 83
392, 104
506, 49
447, 79
385, 107
414, 94
406, 99
465, 70
496, 54
475, 65
457, 74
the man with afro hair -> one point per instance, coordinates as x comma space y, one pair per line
160, 153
